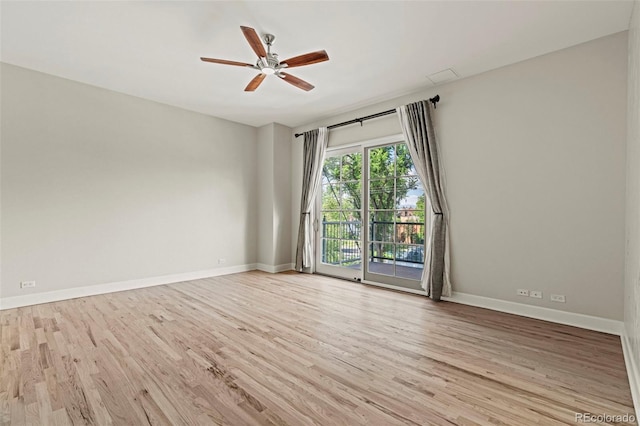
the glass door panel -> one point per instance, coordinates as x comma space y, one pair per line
339, 240
396, 218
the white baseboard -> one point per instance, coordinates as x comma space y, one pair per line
93, 290
632, 372
589, 322
274, 269
578, 320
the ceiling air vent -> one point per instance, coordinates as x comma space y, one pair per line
442, 76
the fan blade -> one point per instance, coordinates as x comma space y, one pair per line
301, 84
225, 62
306, 59
254, 41
253, 84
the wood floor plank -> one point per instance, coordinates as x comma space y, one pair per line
295, 349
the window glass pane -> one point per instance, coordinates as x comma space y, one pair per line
408, 189
381, 226
351, 226
382, 251
350, 196
409, 261
341, 218
409, 233
352, 166
381, 258
382, 231
353, 215
331, 170
330, 251
351, 253
409, 253
404, 164
409, 271
330, 197
408, 215
382, 216
382, 162
381, 195
331, 225
331, 216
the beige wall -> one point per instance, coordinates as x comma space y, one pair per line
264, 240
274, 196
632, 276
534, 155
282, 195
100, 187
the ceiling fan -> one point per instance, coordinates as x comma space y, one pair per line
268, 63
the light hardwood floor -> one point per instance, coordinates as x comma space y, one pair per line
256, 348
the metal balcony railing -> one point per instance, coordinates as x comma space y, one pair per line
405, 239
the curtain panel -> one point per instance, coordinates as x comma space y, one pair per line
315, 146
419, 133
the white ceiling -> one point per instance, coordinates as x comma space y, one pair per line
378, 50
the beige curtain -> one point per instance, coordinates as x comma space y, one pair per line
417, 127
315, 146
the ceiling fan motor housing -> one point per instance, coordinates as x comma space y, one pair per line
271, 61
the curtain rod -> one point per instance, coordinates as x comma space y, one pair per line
433, 100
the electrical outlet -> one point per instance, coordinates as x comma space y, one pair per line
27, 284
522, 292
558, 298
221, 261
535, 293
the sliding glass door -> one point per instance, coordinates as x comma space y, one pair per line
396, 218
340, 239
378, 184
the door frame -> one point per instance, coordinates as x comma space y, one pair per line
323, 268
352, 274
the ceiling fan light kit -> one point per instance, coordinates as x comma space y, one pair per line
269, 64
